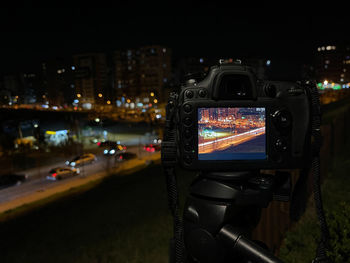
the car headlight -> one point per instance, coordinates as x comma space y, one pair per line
105, 151
67, 162
72, 163
112, 151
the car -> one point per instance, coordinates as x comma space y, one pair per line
125, 156
157, 141
115, 149
86, 158
61, 173
7, 180
107, 143
152, 147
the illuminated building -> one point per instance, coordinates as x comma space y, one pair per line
127, 72
205, 115
142, 71
57, 79
333, 63
20, 88
91, 77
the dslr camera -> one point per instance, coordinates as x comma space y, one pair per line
228, 127
232, 121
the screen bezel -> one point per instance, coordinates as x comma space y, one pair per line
230, 160
223, 165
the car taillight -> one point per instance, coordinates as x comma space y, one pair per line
99, 143
54, 174
120, 157
124, 147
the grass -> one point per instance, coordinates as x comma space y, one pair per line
301, 241
123, 219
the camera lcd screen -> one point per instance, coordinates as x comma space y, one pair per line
231, 134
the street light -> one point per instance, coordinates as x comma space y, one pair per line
100, 95
78, 95
155, 101
108, 102
152, 94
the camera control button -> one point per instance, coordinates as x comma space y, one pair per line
188, 147
188, 133
188, 159
202, 93
281, 145
189, 94
188, 121
187, 108
282, 119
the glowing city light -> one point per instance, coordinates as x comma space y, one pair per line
100, 95
78, 95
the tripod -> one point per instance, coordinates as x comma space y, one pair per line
221, 211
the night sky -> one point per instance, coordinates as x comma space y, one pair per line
31, 35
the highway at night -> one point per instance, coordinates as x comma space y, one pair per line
226, 142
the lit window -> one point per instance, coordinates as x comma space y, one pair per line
328, 47
164, 50
325, 66
58, 71
323, 48
334, 47
341, 79
319, 49
327, 62
201, 60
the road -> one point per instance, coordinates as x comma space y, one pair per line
226, 142
37, 181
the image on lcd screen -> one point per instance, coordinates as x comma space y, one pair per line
231, 134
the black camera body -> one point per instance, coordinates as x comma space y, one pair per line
230, 121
